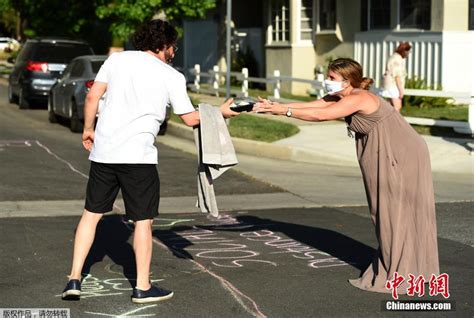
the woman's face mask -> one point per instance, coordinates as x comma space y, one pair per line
332, 87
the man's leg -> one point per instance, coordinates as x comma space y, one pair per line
143, 246
83, 240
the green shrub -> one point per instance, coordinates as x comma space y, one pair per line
245, 59
424, 101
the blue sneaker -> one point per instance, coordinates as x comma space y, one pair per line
72, 290
151, 295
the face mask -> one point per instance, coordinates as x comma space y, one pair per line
332, 87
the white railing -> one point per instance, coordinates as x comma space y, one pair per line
215, 75
372, 50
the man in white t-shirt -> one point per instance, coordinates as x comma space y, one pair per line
139, 85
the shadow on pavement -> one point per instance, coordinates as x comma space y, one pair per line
111, 240
336, 244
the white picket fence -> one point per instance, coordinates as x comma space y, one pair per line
214, 78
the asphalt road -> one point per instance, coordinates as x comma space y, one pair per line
277, 263
43, 161
274, 262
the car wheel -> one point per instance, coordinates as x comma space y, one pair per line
23, 102
11, 98
76, 124
52, 117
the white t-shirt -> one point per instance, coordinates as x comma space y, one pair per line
139, 88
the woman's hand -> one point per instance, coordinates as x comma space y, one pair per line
267, 106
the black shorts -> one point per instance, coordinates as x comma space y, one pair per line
140, 185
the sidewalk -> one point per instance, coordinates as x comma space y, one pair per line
327, 142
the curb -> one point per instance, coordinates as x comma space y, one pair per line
267, 150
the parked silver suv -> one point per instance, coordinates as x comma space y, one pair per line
69, 93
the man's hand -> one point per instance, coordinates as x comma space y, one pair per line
88, 139
225, 109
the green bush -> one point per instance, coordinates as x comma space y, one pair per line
424, 101
245, 59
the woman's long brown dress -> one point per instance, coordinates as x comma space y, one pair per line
395, 165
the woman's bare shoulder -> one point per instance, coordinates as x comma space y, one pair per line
368, 100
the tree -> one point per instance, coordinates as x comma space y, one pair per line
126, 15
49, 17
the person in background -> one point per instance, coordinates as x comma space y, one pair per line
395, 165
395, 74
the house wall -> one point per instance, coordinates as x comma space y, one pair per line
279, 58
437, 15
458, 64
303, 65
299, 59
455, 15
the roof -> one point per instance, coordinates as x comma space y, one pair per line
56, 39
92, 57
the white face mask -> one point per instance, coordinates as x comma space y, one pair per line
332, 87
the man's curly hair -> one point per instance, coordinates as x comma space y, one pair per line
155, 35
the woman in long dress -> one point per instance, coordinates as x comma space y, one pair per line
395, 165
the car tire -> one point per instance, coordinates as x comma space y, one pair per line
23, 102
52, 117
76, 124
11, 98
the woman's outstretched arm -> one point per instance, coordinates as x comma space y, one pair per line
323, 102
334, 110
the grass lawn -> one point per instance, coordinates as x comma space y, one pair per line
260, 129
449, 112
459, 112
256, 128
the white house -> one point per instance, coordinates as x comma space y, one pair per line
297, 36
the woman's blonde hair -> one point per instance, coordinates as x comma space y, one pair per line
351, 71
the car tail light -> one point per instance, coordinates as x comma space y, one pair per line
89, 84
37, 66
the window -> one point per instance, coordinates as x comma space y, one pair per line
78, 69
25, 52
96, 66
280, 20
471, 15
415, 14
327, 15
60, 52
306, 26
379, 14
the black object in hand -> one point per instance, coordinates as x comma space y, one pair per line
243, 106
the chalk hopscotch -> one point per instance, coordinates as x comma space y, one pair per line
207, 243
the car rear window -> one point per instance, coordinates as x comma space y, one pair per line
96, 66
60, 52
25, 52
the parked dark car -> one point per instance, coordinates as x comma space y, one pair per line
38, 65
67, 96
